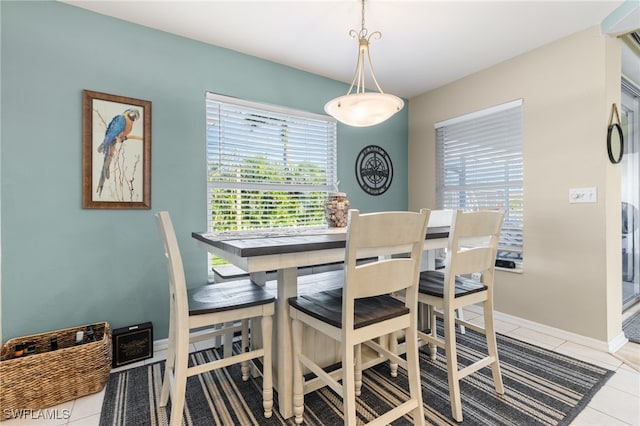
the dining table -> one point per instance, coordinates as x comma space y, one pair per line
284, 251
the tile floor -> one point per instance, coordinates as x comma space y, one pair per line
617, 403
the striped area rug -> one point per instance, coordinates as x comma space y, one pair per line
542, 388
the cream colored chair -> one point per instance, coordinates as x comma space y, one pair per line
472, 247
208, 306
363, 311
435, 258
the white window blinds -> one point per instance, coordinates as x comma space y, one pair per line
479, 165
268, 166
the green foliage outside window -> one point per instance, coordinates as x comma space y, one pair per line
237, 208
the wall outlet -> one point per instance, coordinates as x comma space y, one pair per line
583, 195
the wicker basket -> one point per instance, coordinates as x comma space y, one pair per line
47, 377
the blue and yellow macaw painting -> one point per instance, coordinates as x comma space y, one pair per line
117, 132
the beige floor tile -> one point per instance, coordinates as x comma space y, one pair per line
536, 338
587, 354
87, 421
87, 406
205, 344
591, 417
629, 368
470, 314
618, 404
630, 355
502, 327
627, 381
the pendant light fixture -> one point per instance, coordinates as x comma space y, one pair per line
362, 108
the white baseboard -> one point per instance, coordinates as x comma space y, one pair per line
163, 344
601, 345
160, 345
618, 342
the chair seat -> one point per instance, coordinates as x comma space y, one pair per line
432, 284
227, 296
327, 306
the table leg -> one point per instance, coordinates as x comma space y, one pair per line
259, 278
287, 287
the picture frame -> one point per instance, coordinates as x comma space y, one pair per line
116, 152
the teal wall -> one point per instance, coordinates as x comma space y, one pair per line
63, 266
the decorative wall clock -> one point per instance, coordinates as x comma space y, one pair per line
374, 170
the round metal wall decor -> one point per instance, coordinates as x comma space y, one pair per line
615, 138
615, 143
374, 170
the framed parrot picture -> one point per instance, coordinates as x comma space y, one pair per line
116, 152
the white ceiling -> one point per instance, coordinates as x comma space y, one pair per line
425, 44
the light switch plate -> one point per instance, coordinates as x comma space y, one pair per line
583, 195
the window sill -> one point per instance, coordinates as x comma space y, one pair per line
517, 270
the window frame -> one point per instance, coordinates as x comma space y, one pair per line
228, 129
486, 189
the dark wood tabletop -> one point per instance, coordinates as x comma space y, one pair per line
257, 245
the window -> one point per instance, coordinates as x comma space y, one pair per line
267, 166
479, 165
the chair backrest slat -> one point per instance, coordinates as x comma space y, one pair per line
476, 259
473, 245
479, 223
383, 277
387, 234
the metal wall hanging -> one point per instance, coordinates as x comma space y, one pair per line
374, 170
615, 139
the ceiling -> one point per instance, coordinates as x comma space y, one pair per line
425, 44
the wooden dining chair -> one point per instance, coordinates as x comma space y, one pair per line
437, 218
472, 248
363, 311
218, 306
441, 218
